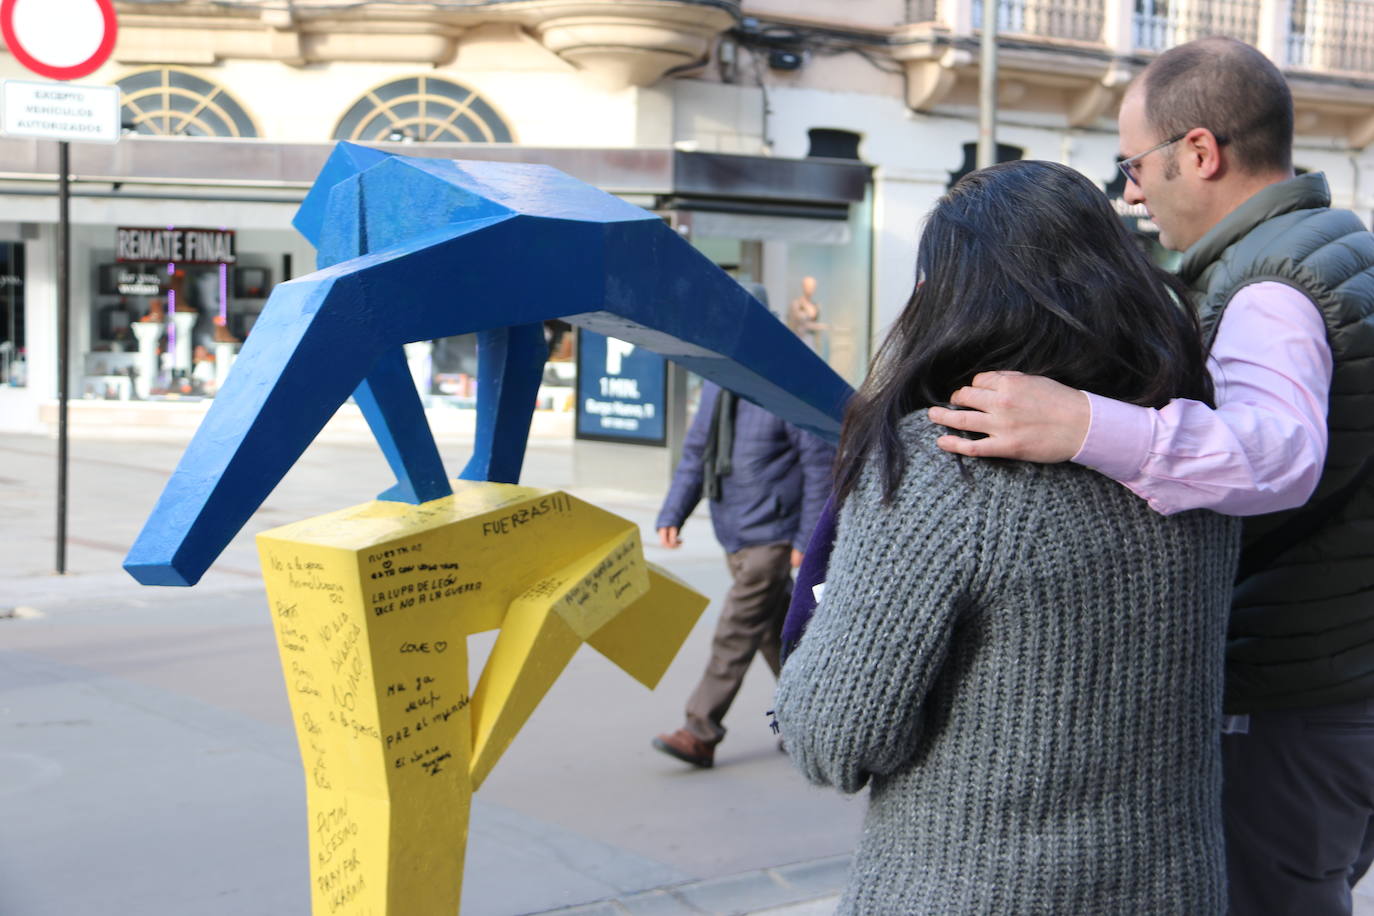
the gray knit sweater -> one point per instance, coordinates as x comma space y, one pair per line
1025, 663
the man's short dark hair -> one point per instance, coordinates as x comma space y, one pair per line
1232, 90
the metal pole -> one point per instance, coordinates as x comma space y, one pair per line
987, 87
63, 348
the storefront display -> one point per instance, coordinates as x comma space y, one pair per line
816, 274
166, 331
168, 328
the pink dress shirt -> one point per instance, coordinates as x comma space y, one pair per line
1262, 448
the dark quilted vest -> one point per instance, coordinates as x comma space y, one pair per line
1302, 620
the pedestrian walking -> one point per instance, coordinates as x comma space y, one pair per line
766, 481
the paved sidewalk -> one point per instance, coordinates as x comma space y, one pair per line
146, 744
803, 889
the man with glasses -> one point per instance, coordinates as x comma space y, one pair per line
1127, 165
1285, 289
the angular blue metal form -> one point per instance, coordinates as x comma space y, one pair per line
391, 405
387, 398
416, 249
510, 366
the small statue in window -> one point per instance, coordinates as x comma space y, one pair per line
803, 315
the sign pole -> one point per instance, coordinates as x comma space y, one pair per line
63, 347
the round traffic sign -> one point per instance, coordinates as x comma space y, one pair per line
59, 39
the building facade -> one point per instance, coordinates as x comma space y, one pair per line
787, 140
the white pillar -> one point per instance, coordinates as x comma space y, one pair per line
185, 323
148, 334
901, 199
1274, 22
1325, 20
225, 352
957, 14
1118, 26
421, 369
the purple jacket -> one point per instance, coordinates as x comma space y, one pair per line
773, 494
811, 574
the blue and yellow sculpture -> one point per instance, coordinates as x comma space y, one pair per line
372, 604
415, 249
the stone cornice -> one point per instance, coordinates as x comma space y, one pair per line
618, 43
627, 42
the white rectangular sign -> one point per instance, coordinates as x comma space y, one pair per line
59, 111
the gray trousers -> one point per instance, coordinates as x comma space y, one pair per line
1298, 797
750, 621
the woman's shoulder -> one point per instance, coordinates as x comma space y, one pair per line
928, 464
925, 459
1056, 492
928, 470
918, 432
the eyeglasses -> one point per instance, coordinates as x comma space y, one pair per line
1127, 166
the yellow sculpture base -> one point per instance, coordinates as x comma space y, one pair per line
372, 606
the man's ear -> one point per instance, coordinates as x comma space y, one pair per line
1202, 153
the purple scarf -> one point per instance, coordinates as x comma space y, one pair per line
811, 574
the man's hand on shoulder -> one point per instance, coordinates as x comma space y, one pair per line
1026, 417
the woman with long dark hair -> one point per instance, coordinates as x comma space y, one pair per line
1023, 662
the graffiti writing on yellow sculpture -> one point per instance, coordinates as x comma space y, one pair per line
372, 607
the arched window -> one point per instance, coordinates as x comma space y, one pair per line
169, 102
423, 108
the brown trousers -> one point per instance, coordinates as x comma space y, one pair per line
751, 621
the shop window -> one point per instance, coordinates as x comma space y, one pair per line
169, 329
815, 275
423, 109
168, 102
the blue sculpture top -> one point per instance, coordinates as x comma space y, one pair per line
415, 249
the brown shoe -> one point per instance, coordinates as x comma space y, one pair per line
686, 747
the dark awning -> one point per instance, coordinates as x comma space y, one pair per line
254, 170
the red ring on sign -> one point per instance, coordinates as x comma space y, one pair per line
76, 71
